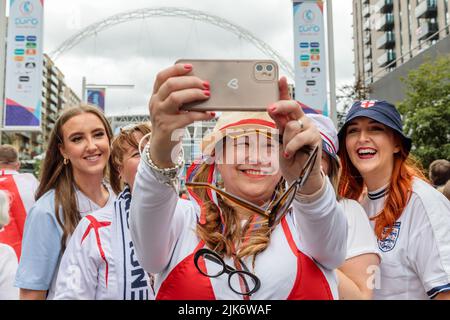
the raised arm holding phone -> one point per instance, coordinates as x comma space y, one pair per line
275, 215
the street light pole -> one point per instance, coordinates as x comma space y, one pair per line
2, 62
331, 67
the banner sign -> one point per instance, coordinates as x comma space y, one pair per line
96, 97
23, 81
309, 53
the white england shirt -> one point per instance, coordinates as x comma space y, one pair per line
416, 255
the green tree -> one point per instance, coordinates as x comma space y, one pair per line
426, 110
347, 95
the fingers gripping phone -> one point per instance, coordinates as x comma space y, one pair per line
236, 85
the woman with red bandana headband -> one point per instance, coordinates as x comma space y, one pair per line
410, 218
262, 222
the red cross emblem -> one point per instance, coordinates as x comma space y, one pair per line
95, 225
368, 103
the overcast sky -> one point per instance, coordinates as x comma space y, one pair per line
133, 52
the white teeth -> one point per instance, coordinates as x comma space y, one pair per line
92, 157
366, 152
256, 172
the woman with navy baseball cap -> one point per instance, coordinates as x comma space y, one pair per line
410, 218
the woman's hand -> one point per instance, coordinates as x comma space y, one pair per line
298, 132
173, 88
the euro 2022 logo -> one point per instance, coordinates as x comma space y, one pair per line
26, 8
309, 16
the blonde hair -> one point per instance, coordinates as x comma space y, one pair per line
55, 175
255, 234
4, 208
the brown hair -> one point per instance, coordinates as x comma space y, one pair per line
439, 172
119, 147
55, 175
334, 174
254, 235
399, 189
8, 154
446, 190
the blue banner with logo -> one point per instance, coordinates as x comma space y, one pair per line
309, 55
23, 81
96, 97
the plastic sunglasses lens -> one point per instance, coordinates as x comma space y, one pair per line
282, 206
243, 282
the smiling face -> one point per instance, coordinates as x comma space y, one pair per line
371, 147
85, 145
249, 167
130, 161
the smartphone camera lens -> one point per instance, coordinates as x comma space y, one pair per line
269, 68
259, 68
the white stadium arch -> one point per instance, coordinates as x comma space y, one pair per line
145, 13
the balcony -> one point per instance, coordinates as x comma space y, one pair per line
53, 108
426, 9
386, 41
366, 25
367, 52
367, 39
53, 98
385, 23
368, 67
385, 6
54, 79
386, 58
366, 11
426, 30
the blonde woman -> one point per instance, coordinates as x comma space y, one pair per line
235, 242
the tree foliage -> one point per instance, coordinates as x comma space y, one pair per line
426, 110
347, 95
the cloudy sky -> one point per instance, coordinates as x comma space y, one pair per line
133, 52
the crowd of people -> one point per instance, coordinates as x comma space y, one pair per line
280, 205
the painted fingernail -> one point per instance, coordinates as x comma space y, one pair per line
272, 108
286, 155
207, 93
213, 114
188, 66
206, 85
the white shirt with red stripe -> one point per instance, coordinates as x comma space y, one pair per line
163, 232
99, 261
21, 188
416, 255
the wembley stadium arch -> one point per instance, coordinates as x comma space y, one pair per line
197, 15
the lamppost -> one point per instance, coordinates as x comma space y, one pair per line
331, 68
2, 62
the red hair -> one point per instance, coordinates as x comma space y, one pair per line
405, 169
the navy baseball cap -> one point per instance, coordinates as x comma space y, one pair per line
381, 111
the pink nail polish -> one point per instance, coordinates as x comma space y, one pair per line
207, 93
206, 85
188, 66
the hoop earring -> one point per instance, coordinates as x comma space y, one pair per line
66, 161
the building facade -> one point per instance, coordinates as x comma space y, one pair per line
388, 33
